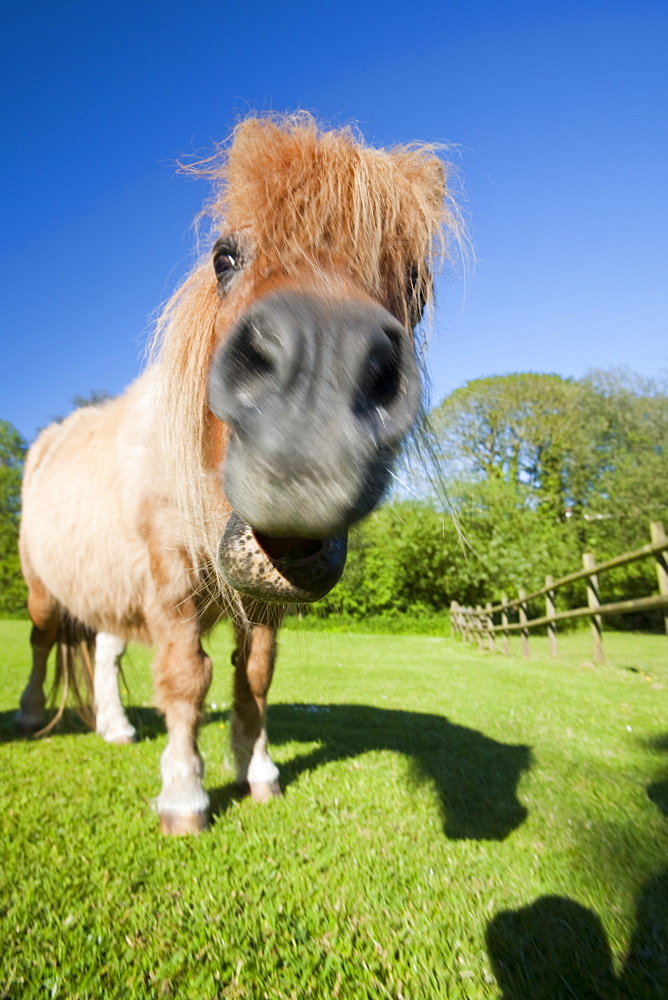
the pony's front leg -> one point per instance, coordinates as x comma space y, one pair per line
32, 706
45, 615
111, 722
183, 675
253, 661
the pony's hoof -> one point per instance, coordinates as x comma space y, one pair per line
118, 732
179, 826
28, 726
123, 741
263, 791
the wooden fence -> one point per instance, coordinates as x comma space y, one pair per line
479, 623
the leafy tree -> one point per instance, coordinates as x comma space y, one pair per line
525, 430
548, 468
633, 455
13, 591
632, 452
510, 540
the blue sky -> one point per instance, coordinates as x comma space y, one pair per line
559, 112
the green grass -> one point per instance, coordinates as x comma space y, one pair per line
428, 623
455, 824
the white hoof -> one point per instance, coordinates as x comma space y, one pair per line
119, 735
264, 791
178, 826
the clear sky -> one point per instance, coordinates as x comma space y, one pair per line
559, 112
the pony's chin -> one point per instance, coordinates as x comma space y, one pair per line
279, 570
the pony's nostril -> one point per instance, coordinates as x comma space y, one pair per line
380, 380
383, 383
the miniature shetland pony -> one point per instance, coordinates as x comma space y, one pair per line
282, 382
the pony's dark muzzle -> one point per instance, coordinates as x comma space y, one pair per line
279, 570
318, 396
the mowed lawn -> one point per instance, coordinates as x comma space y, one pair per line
454, 824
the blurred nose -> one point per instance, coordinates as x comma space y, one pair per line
302, 363
318, 396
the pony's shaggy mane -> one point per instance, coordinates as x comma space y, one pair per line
312, 197
306, 198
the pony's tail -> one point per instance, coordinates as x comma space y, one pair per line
73, 680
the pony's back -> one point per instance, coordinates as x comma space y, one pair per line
80, 527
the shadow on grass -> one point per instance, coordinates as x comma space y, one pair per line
658, 790
556, 949
70, 724
147, 721
476, 777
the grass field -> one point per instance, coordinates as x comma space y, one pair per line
454, 824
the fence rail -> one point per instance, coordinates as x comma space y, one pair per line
478, 623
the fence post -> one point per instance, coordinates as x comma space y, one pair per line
593, 601
491, 645
523, 620
479, 627
659, 535
453, 618
549, 612
464, 624
504, 622
469, 623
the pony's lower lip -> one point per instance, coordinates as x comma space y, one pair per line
279, 570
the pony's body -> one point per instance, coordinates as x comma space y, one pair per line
97, 452
104, 460
289, 365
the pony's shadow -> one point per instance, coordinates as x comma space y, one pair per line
147, 721
475, 777
70, 724
658, 790
556, 949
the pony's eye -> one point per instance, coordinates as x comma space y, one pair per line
224, 262
227, 258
